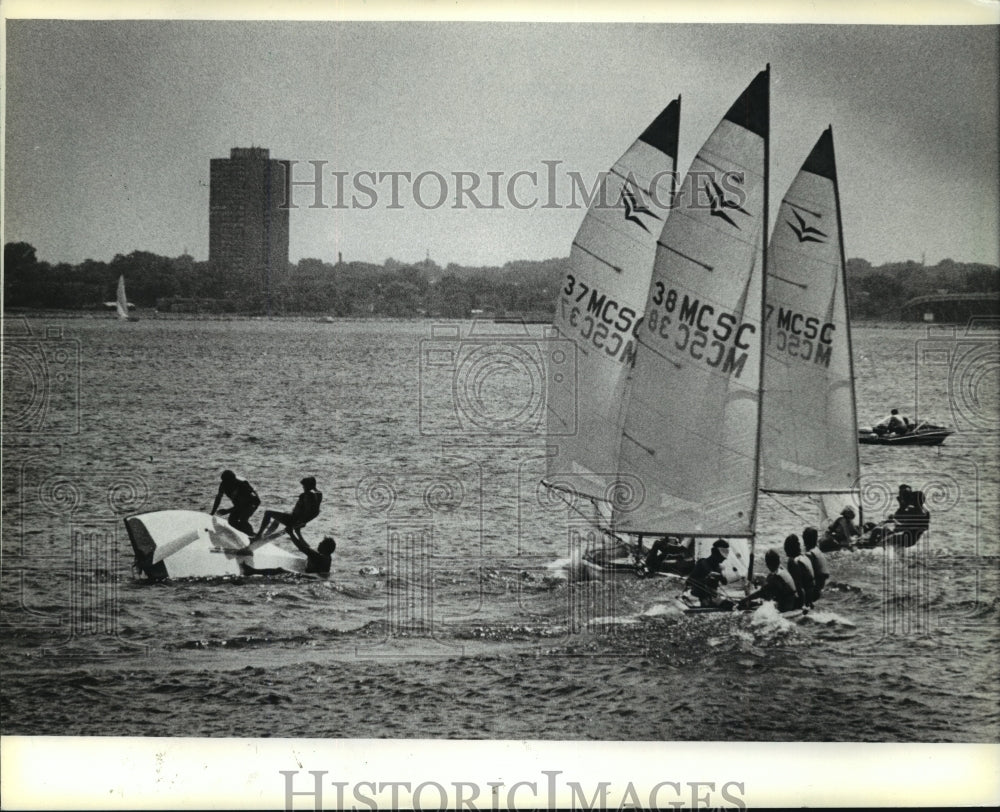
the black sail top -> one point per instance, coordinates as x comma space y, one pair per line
821, 161
751, 109
662, 132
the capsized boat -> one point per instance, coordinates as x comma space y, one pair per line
189, 544
921, 434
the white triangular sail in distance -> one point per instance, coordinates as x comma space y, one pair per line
691, 433
599, 305
809, 429
121, 303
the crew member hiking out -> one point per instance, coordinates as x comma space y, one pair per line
778, 586
821, 570
306, 509
244, 498
801, 571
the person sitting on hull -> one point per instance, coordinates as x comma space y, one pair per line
779, 586
670, 554
244, 498
821, 570
306, 509
706, 577
894, 423
801, 571
842, 534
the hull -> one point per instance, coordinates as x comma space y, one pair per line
931, 435
189, 544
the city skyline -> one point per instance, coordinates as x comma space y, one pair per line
111, 126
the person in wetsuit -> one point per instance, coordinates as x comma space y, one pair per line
910, 520
244, 498
842, 533
306, 509
670, 554
706, 577
779, 586
320, 559
801, 571
821, 571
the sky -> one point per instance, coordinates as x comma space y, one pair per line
110, 126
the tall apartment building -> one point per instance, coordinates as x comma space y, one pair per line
247, 223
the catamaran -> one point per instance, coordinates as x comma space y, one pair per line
741, 380
672, 447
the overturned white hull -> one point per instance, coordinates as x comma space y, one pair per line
189, 544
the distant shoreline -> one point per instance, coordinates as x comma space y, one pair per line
150, 315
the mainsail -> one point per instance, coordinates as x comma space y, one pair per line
121, 303
691, 432
599, 307
809, 432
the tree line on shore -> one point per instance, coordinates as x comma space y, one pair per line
312, 286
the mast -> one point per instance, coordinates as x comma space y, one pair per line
847, 307
763, 327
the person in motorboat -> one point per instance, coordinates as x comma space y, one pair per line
821, 570
779, 586
842, 534
801, 571
894, 423
706, 578
306, 509
670, 554
244, 498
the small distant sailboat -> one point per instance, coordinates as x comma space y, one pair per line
121, 303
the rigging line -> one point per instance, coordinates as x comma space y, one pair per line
606, 530
790, 510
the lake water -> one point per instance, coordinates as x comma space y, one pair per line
430, 460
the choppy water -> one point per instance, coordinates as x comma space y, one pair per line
470, 628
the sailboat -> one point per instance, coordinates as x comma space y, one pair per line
600, 307
809, 443
121, 302
684, 427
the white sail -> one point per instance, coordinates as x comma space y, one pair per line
809, 429
121, 303
691, 432
600, 304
